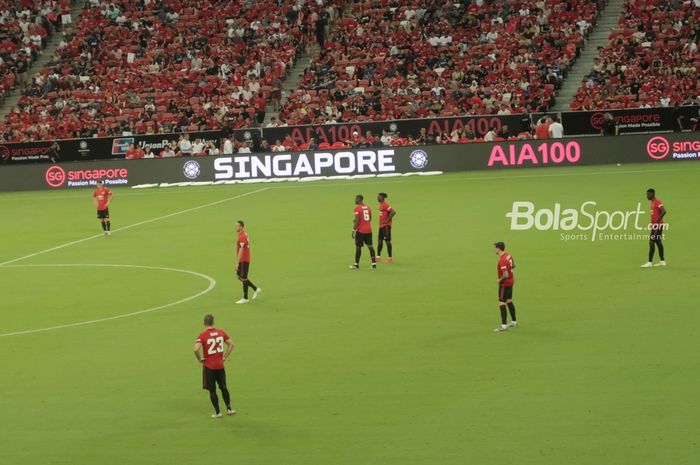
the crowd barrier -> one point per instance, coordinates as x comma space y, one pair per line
632, 121
675, 147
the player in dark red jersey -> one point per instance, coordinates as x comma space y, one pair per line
209, 351
386, 215
506, 280
242, 263
102, 196
362, 231
658, 212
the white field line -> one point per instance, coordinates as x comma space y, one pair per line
141, 223
212, 284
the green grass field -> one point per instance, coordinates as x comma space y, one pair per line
331, 366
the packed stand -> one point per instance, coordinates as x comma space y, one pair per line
411, 59
651, 60
25, 26
147, 66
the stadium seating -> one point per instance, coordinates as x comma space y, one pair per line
429, 58
651, 59
24, 28
188, 65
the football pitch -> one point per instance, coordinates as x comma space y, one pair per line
332, 366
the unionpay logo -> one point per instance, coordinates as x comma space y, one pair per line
55, 176
658, 147
418, 159
121, 144
191, 170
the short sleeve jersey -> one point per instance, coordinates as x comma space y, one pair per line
213, 340
656, 206
102, 195
364, 215
384, 212
244, 245
505, 264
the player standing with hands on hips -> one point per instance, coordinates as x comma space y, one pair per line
657, 229
505, 287
243, 263
362, 232
102, 196
209, 351
386, 215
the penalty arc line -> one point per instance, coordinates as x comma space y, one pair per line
152, 220
212, 284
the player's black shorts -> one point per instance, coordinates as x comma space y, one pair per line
362, 239
103, 213
210, 378
505, 293
385, 233
242, 270
657, 233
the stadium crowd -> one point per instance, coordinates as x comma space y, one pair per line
394, 60
146, 66
25, 27
651, 60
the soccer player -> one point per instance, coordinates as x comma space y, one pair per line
243, 263
102, 196
505, 287
386, 215
657, 229
362, 231
209, 351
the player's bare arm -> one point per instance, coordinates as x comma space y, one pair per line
355, 224
392, 214
229, 348
504, 275
198, 353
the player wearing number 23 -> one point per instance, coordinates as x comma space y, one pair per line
209, 351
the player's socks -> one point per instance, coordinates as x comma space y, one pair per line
372, 256
214, 401
252, 286
104, 225
245, 290
661, 250
380, 247
389, 249
109, 225
511, 309
227, 398
358, 254
651, 251
504, 314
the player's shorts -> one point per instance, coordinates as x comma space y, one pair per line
210, 378
103, 213
363, 238
242, 270
385, 233
505, 293
656, 234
